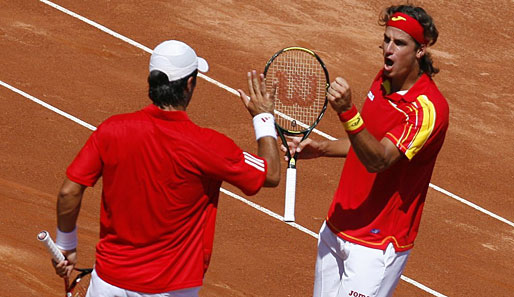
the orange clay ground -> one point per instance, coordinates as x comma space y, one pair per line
92, 75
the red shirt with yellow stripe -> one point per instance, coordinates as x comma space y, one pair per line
374, 209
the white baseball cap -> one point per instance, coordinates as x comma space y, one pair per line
176, 59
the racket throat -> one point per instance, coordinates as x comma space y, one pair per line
292, 162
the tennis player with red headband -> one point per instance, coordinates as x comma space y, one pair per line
390, 153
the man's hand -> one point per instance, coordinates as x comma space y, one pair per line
64, 268
339, 95
259, 100
307, 149
310, 149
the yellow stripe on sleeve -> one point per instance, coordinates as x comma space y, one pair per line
426, 129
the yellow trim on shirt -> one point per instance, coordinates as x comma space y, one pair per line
427, 126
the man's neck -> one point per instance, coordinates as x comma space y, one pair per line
173, 108
401, 84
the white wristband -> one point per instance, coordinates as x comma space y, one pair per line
66, 241
264, 125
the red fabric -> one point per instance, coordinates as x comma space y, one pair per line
161, 180
374, 209
349, 114
409, 25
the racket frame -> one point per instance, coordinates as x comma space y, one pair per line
290, 195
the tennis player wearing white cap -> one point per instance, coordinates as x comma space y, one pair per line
161, 180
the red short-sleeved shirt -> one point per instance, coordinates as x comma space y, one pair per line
161, 180
374, 209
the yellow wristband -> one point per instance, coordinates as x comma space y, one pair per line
354, 125
352, 120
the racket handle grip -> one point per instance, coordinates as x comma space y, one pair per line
45, 238
290, 195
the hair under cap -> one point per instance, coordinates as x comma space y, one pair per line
176, 59
409, 25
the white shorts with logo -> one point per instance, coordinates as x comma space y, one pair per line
347, 269
100, 288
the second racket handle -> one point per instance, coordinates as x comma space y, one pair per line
45, 238
290, 195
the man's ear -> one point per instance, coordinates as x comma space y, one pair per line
421, 51
190, 84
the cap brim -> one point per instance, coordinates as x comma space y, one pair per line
203, 66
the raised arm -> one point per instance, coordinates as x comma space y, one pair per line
375, 155
261, 106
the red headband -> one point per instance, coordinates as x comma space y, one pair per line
409, 25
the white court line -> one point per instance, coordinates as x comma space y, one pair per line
148, 50
269, 212
248, 202
233, 91
471, 204
421, 286
56, 110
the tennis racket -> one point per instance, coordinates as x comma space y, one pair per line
78, 287
301, 80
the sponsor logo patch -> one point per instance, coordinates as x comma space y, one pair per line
253, 161
371, 96
357, 294
266, 118
353, 125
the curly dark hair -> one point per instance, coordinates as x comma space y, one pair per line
169, 93
429, 30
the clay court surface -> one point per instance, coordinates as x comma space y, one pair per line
91, 75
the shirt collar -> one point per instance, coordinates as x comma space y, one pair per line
412, 94
156, 112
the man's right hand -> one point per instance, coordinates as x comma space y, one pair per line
259, 100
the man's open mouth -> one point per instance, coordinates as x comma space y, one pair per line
388, 64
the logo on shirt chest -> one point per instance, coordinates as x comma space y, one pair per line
371, 96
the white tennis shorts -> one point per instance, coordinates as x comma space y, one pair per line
100, 288
351, 270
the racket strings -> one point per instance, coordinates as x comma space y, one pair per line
301, 88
